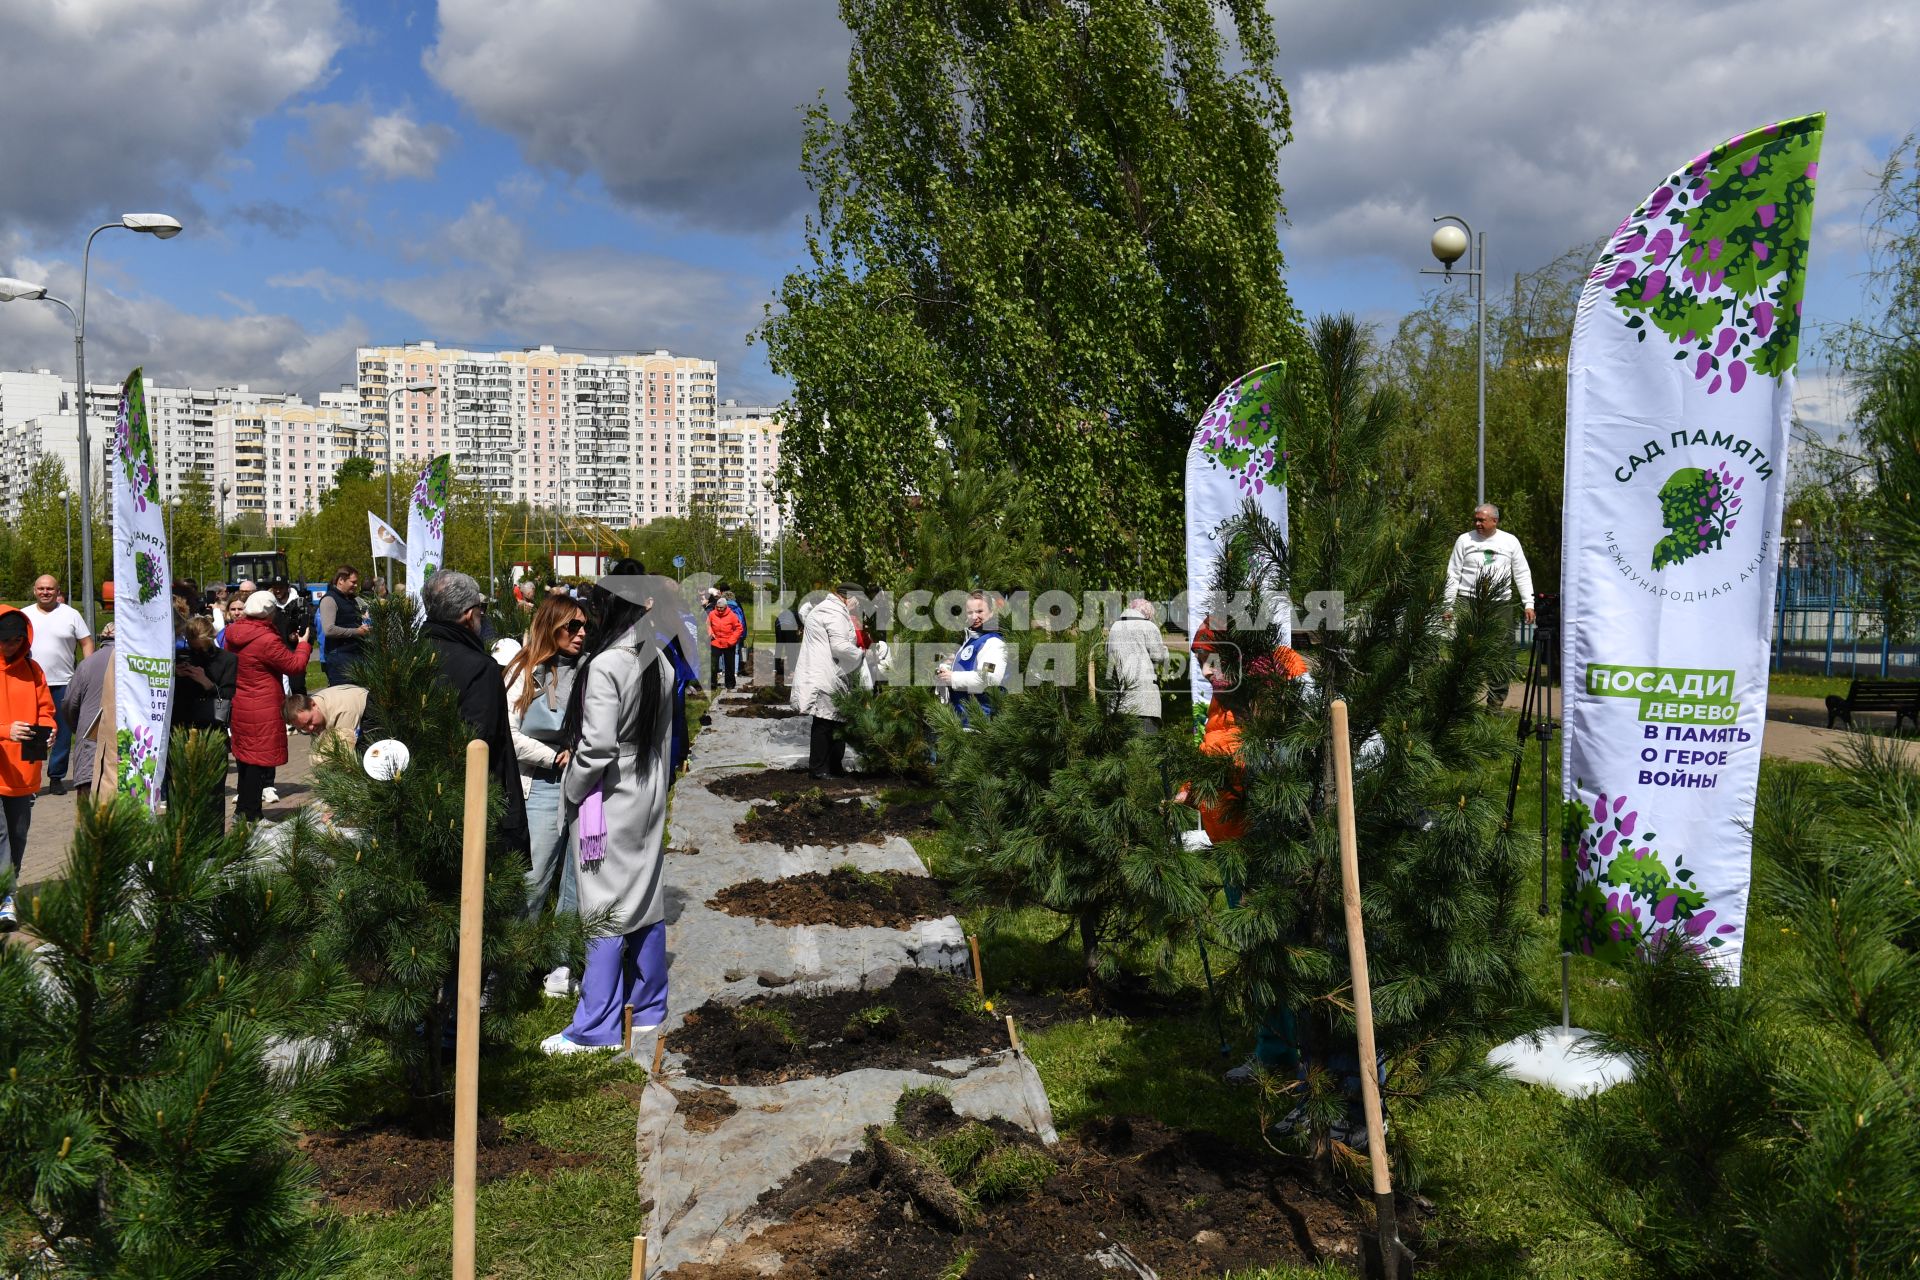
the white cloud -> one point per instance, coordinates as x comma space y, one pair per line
389, 146
114, 105
692, 110
1544, 123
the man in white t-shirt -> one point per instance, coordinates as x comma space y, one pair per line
57, 628
1486, 554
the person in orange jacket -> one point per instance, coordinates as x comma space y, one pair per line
1222, 818
723, 635
27, 718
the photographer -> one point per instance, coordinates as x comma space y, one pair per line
294, 618
26, 712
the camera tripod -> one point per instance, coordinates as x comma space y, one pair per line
1537, 722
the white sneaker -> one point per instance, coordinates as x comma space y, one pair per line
9, 919
557, 1043
269, 795
559, 984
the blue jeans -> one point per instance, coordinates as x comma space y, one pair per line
62, 735
548, 833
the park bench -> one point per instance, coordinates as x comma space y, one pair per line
1902, 697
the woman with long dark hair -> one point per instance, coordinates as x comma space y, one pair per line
614, 792
539, 690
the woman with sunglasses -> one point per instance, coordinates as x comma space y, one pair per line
539, 687
620, 723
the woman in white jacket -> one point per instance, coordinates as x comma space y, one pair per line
539, 683
829, 653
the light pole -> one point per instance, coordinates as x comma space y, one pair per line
161, 227
225, 488
386, 435
66, 504
1451, 241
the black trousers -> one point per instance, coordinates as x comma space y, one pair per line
253, 779
724, 660
826, 749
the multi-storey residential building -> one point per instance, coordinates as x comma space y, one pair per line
276, 459
608, 437
38, 417
746, 453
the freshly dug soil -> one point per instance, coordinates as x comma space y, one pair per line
385, 1167
1185, 1204
770, 694
922, 1018
769, 784
762, 711
814, 817
843, 896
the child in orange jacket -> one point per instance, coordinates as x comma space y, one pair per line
26, 717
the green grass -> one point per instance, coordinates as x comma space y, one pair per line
1792, 685
579, 1222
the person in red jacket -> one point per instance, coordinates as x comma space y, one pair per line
258, 731
723, 636
26, 724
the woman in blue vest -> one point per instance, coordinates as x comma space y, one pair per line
978, 665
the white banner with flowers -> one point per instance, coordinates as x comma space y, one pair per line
143, 650
1238, 455
426, 546
1679, 399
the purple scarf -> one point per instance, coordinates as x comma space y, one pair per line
592, 825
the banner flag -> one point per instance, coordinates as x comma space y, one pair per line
384, 540
1679, 398
427, 523
143, 651
1237, 454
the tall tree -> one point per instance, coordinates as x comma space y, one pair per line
1062, 211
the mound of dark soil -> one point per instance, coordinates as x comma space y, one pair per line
922, 1018
769, 784
1183, 1204
843, 896
814, 817
771, 694
762, 711
385, 1167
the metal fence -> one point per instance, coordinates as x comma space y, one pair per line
1827, 623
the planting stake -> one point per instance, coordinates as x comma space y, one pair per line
979, 978
1393, 1255
626, 1029
466, 1054
1013, 1037
639, 1258
659, 1052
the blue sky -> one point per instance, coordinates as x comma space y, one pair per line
622, 174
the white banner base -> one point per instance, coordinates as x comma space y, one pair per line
1567, 1060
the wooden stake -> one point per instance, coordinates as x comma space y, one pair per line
626, 1030
1090, 691
979, 978
1013, 1037
659, 1052
466, 1059
639, 1258
1391, 1249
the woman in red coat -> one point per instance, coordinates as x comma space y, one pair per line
259, 733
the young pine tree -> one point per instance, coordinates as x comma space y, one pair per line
143, 1130
1440, 876
1773, 1129
381, 883
1059, 802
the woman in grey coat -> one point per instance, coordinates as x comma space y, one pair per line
614, 793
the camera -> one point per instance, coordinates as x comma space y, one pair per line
1546, 610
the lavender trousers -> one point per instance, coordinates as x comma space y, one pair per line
626, 969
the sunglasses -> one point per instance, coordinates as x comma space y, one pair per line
575, 627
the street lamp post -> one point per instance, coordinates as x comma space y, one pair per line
1452, 241
66, 504
386, 435
225, 488
161, 227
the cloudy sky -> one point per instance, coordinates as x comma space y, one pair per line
622, 174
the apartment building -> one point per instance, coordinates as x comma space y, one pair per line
39, 417
615, 438
741, 461
275, 459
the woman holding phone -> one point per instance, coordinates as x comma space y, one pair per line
26, 715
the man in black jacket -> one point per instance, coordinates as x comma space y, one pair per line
455, 608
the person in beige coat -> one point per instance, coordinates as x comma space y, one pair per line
829, 652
